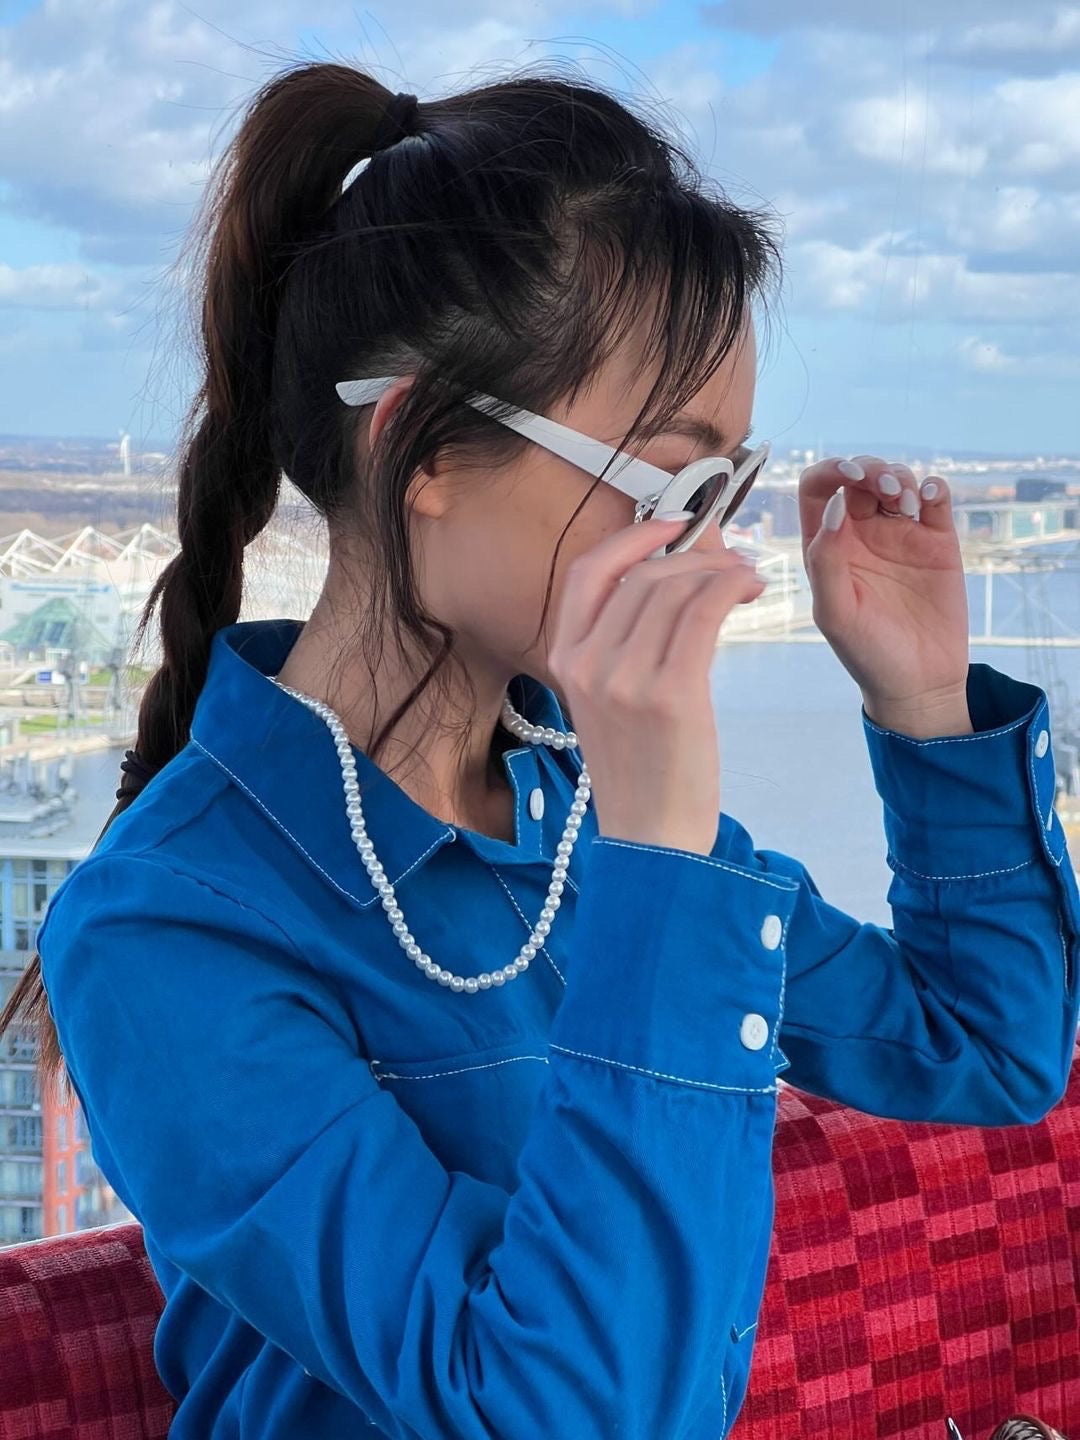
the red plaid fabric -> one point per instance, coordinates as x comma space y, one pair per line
916, 1271
77, 1319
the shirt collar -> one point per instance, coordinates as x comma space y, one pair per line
283, 757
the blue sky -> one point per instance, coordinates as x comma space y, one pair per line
925, 160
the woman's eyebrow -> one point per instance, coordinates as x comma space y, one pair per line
704, 431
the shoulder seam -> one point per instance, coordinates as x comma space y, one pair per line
190, 814
195, 879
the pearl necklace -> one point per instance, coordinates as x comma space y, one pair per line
517, 725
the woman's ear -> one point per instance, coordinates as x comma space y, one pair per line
386, 404
423, 495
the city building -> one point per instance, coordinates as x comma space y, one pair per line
68, 610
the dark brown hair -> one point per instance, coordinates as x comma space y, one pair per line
514, 237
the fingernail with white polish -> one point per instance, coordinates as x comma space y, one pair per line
888, 484
852, 469
929, 489
909, 504
835, 511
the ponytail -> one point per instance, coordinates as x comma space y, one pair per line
301, 135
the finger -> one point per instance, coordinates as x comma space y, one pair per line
819, 482
936, 499
889, 480
591, 576
939, 497
654, 588
689, 645
831, 583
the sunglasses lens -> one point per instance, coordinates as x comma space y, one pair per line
712, 504
704, 496
740, 494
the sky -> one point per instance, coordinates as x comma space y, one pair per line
922, 160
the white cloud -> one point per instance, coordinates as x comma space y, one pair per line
934, 287
994, 19
988, 357
895, 128
111, 113
987, 34
53, 287
1051, 40
1008, 36
1025, 128
1017, 226
1041, 119
985, 356
925, 158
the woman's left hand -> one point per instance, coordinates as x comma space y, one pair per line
889, 589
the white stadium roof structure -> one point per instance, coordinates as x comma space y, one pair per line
283, 568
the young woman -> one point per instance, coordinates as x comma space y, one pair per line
434, 1040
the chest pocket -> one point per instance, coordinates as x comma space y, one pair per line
474, 1108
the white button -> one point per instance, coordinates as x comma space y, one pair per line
754, 1031
1042, 744
771, 931
536, 803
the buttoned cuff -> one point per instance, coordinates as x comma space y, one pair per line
679, 970
965, 806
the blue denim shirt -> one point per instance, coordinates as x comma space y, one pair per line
376, 1206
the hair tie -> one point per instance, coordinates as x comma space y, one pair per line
396, 122
135, 773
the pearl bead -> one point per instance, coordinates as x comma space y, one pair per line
525, 730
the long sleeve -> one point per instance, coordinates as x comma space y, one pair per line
230, 1106
965, 1011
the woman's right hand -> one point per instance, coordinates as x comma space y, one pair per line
633, 661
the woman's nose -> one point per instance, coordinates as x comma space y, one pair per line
711, 538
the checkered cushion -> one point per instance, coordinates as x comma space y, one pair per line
917, 1271
77, 1319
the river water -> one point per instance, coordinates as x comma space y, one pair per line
794, 763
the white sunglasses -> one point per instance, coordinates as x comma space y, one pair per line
712, 488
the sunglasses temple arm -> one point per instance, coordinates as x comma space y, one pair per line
634, 477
